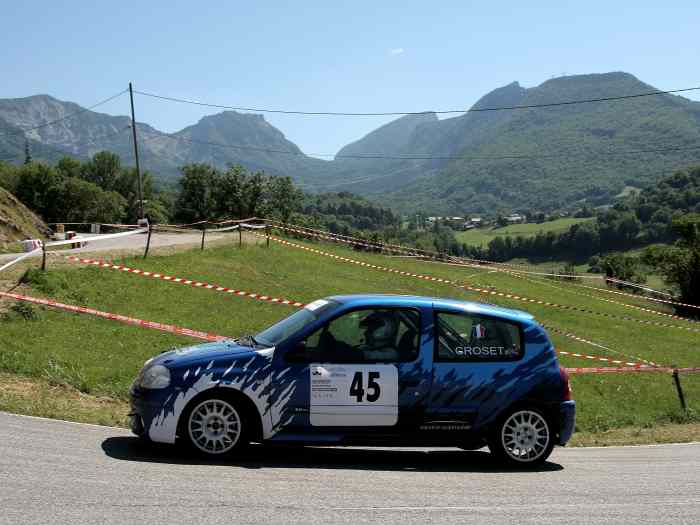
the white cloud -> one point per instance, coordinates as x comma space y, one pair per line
396, 51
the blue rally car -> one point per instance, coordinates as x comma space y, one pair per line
366, 370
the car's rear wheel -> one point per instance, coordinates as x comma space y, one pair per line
215, 426
523, 437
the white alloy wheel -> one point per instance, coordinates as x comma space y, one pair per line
214, 426
525, 436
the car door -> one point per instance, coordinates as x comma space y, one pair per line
363, 368
475, 356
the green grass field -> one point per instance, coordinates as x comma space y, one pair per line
482, 236
101, 357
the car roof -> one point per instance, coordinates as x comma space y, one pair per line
452, 305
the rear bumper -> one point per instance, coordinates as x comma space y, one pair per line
567, 421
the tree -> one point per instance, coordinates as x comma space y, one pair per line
253, 191
197, 200
680, 264
8, 176
622, 267
40, 187
285, 199
69, 167
103, 169
86, 202
27, 153
229, 193
126, 184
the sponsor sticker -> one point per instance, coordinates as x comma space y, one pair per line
315, 305
353, 395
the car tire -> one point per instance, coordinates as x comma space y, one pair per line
523, 437
215, 426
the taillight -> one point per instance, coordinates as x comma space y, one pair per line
566, 384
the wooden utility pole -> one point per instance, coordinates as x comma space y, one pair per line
136, 151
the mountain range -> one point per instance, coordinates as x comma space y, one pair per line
483, 161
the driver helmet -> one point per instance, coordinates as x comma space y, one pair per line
380, 329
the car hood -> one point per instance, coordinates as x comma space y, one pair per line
189, 355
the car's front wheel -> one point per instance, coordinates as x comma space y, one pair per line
215, 426
523, 437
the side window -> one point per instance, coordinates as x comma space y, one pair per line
464, 337
378, 335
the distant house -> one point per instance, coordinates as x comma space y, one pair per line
515, 218
476, 222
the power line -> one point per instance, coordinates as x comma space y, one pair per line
65, 117
427, 157
39, 145
396, 113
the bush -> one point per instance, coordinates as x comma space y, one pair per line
22, 311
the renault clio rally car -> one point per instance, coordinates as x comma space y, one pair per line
366, 370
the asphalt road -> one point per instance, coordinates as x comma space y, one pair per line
57, 472
136, 243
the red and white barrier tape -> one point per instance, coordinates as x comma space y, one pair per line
602, 347
108, 236
116, 317
481, 290
405, 249
305, 230
481, 262
187, 282
20, 258
261, 297
604, 359
213, 337
632, 306
644, 297
636, 285
237, 221
623, 370
225, 229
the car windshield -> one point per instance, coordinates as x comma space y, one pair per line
287, 327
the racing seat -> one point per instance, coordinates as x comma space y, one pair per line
408, 345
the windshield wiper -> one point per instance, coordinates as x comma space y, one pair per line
251, 341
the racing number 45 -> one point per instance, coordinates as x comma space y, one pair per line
373, 390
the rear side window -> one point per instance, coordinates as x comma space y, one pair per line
468, 337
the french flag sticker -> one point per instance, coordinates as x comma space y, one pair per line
478, 331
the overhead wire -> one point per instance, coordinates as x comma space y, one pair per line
41, 145
65, 117
428, 157
396, 113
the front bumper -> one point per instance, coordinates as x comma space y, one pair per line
145, 406
567, 421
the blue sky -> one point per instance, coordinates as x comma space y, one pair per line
333, 56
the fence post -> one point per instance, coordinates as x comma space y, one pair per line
204, 232
43, 256
148, 240
267, 234
677, 381
240, 236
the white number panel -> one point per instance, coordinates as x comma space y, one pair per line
353, 395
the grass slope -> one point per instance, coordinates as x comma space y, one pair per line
17, 222
482, 236
100, 357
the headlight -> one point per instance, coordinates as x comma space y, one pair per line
157, 376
